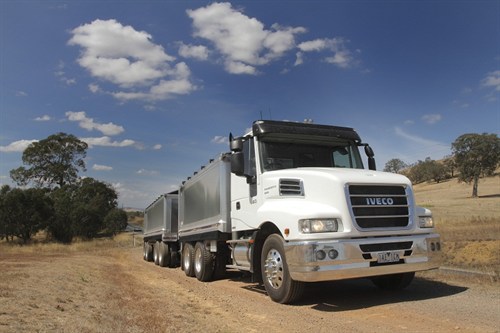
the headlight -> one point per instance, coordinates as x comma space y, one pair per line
309, 226
426, 222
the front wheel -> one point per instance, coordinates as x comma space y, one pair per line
277, 280
393, 281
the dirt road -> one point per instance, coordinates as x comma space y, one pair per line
115, 290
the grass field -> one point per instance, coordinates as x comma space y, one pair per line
469, 227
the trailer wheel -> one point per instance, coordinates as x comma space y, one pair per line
145, 251
174, 256
163, 255
188, 259
148, 252
156, 256
393, 281
203, 263
277, 280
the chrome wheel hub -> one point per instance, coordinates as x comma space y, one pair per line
273, 268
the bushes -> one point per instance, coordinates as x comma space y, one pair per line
81, 210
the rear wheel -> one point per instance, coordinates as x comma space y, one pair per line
275, 275
203, 262
164, 255
156, 250
393, 281
148, 252
188, 259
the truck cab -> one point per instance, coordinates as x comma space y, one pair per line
303, 208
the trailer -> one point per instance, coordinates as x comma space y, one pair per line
161, 231
292, 203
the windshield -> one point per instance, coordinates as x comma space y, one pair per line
277, 155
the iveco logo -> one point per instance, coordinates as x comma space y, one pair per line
380, 201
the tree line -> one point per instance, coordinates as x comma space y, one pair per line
473, 156
54, 198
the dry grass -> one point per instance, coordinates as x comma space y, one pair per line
469, 227
40, 245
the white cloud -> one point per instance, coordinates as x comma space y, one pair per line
342, 56
243, 41
416, 139
105, 141
165, 89
99, 167
492, 80
128, 58
199, 52
43, 118
61, 74
16, 146
220, 140
157, 147
431, 118
94, 88
147, 172
20, 93
89, 124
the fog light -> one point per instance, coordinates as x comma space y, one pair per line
332, 254
320, 255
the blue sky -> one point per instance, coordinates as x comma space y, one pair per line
155, 87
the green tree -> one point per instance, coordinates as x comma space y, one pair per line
61, 227
80, 209
6, 227
54, 161
26, 212
476, 155
395, 165
116, 221
426, 171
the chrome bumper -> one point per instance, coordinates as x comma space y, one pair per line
416, 253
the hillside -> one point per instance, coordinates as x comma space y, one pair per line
452, 200
469, 227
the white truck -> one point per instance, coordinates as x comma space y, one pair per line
292, 203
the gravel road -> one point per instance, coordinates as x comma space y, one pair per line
115, 290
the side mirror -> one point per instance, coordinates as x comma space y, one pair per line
235, 144
371, 160
238, 163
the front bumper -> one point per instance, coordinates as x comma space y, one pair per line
359, 257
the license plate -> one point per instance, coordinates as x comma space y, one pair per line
386, 257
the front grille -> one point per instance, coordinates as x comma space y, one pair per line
379, 206
291, 187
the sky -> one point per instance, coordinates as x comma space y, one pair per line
155, 87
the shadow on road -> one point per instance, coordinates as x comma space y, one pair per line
337, 296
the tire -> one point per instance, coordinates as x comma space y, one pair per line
188, 259
148, 249
163, 255
174, 255
203, 263
156, 256
145, 251
393, 281
279, 285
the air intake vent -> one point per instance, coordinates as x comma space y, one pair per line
379, 206
291, 187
